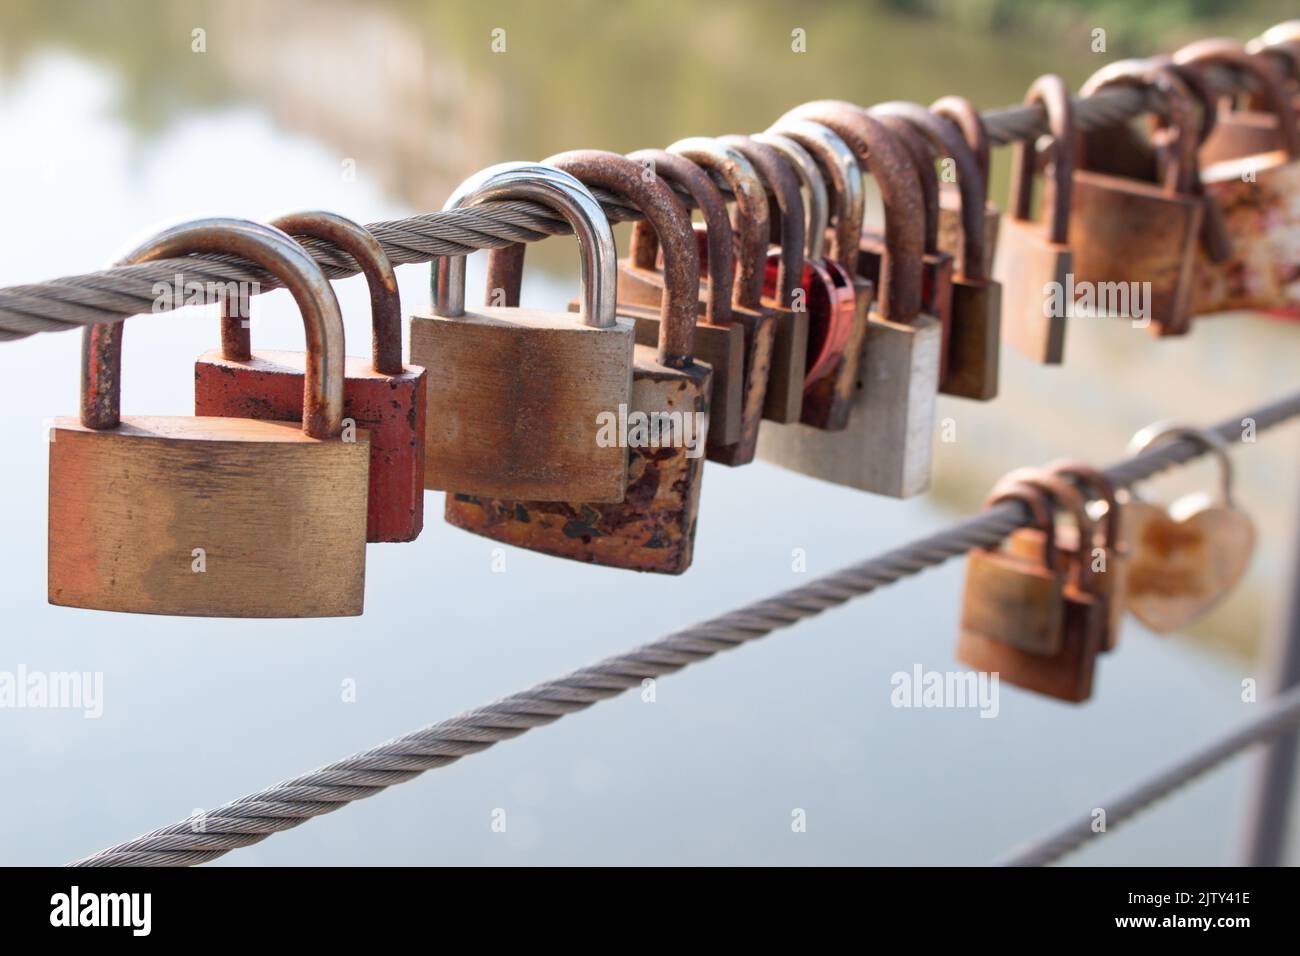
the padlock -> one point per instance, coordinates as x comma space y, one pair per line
785, 380
1282, 42
1014, 599
379, 394
838, 298
218, 517
748, 310
973, 347
515, 396
1256, 194
1035, 257
719, 342
653, 529
962, 112
1105, 556
937, 265
1188, 557
1142, 237
886, 447
1063, 666
1247, 124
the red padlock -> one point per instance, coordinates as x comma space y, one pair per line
380, 395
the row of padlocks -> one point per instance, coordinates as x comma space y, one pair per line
783, 331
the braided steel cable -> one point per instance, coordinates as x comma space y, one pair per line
1280, 715
253, 818
118, 293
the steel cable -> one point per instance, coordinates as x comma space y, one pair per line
251, 819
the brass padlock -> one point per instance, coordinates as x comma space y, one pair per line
838, 298
217, 517
1035, 257
719, 341
973, 348
380, 394
515, 395
1063, 668
962, 112
785, 380
1139, 237
1256, 195
748, 310
1011, 598
936, 265
663, 430
886, 447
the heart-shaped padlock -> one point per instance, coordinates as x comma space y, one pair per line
1187, 557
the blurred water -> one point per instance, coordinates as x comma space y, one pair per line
198, 711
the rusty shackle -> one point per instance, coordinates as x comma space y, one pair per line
781, 183
1051, 93
356, 241
278, 254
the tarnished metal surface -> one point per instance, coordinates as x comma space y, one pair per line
653, 528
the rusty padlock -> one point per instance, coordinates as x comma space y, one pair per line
1064, 667
515, 395
937, 265
838, 298
1256, 195
952, 224
886, 447
719, 342
1105, 554
756, 318
1282, 43
1140, 238
653, 529
1034, 257
1247, 124
785, 380
973, 348
217, 517
827, 291
380, 394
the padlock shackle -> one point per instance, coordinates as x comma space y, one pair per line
557, 190
1286, 53
946, 140
1063, 496
966, 116
1160, 433
708, 199
1231, 54
1041, 514
923, 160
752, 213
278, 254
366, 250
1175, 104
1050, 93
1094, 483
843, 176
881, 153
626, 178
781, 183
818, 206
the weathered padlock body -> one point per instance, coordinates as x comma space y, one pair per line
654, 528
1241, 133
783, 401
391, 408
1012, 598
1028, 265
222, 517
516, 395
974, 348
1257, 198
1125, 231
1066, 675
936, 285
721, 347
